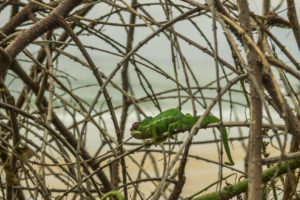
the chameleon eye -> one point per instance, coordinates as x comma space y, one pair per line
135, 126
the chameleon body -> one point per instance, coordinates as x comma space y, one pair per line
173, 120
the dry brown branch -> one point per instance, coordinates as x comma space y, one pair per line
254, 68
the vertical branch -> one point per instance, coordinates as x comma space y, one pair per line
14, 10
49, 109
171, 38
181, 177
126, 103
216, 55
124, 71
255, 135
292, 15
10, 166
290, 184
266, 7
11, 161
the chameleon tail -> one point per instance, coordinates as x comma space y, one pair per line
211, 119
226, 146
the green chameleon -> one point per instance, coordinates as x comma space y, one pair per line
173, 120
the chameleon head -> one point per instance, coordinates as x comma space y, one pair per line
134, 126
134, 132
